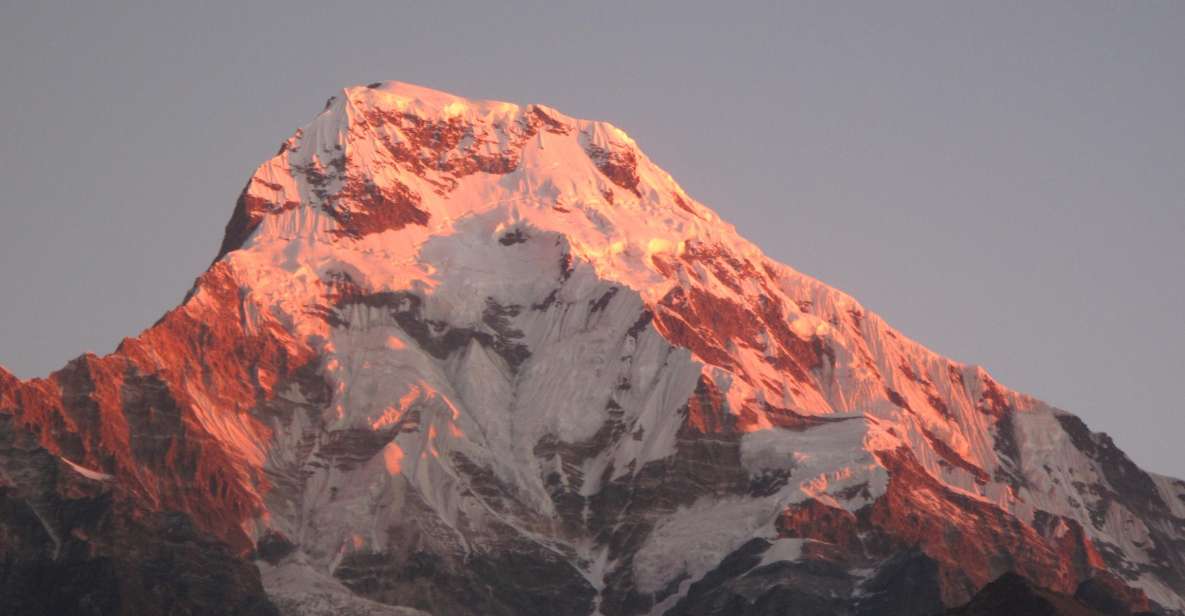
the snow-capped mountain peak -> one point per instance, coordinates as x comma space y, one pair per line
479, 357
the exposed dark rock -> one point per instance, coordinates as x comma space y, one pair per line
248, 213
74, 545
1109, 595
514, 575
1014, 595
510, 238
619, 165
896, 398
549, 123
273, 547
907, 583
440, 339
362, 207
951, 458
816, 521
737, 587
603, 301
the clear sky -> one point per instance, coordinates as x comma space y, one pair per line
1003, 181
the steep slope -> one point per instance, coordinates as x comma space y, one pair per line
479, 358
1016, 596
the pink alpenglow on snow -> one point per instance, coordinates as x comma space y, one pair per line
486, 358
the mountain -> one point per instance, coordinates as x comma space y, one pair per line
470, 357
1016, 596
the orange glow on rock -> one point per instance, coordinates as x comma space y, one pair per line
393, 458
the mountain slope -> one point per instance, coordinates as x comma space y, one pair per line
479, 358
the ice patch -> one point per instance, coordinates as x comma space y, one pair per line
86, 472
786, 549
300, 590
693, 540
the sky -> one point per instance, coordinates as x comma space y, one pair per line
1003, 182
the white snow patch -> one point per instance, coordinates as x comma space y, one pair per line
300, 590
693, 540
86, 472
785, 549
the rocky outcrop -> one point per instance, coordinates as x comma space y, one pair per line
1013, 594
73, 542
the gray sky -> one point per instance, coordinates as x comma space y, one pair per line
1003, 182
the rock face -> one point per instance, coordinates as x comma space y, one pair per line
1014, 595
469, 357
72, 541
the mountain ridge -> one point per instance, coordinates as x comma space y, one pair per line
457, 342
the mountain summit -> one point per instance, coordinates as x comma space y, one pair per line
471, 357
